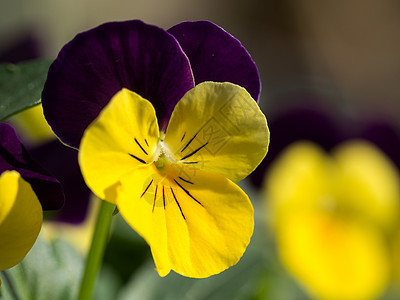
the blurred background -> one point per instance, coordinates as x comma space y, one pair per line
338, 51
329, 72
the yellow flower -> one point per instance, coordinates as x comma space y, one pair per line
21, 218
332, 216
32, 126
176, 189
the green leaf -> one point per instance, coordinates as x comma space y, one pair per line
52, 270
21, 85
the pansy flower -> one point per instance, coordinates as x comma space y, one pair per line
166, 122
334, 216
25, 190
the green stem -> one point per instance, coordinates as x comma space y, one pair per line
96, 252
10, 284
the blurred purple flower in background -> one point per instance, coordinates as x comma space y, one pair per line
310, 118
13, 156
62, 162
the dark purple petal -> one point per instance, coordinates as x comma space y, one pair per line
13, 156
98, 63
385, 135
62, 162
215, 55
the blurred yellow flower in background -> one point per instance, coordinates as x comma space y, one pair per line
32, 126
21, 218
334, 216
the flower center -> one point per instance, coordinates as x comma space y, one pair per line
162, 155
160, 162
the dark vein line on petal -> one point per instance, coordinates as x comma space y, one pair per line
155, 196
163, 196
185, 180
137, 142
146, 188
195, 151
189, 162
176, 200
189, 142
183, 136
137, 158
146, 142
187, 192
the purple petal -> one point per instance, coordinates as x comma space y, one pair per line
385, 135
13, 156
62, 162
98, 63
215, 55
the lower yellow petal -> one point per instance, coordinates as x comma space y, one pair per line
21, 218
197, 226
333, 258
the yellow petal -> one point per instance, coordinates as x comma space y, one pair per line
300, 179
218, 127
21, 218
197, 226
124, 135
332, 258
370, 180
